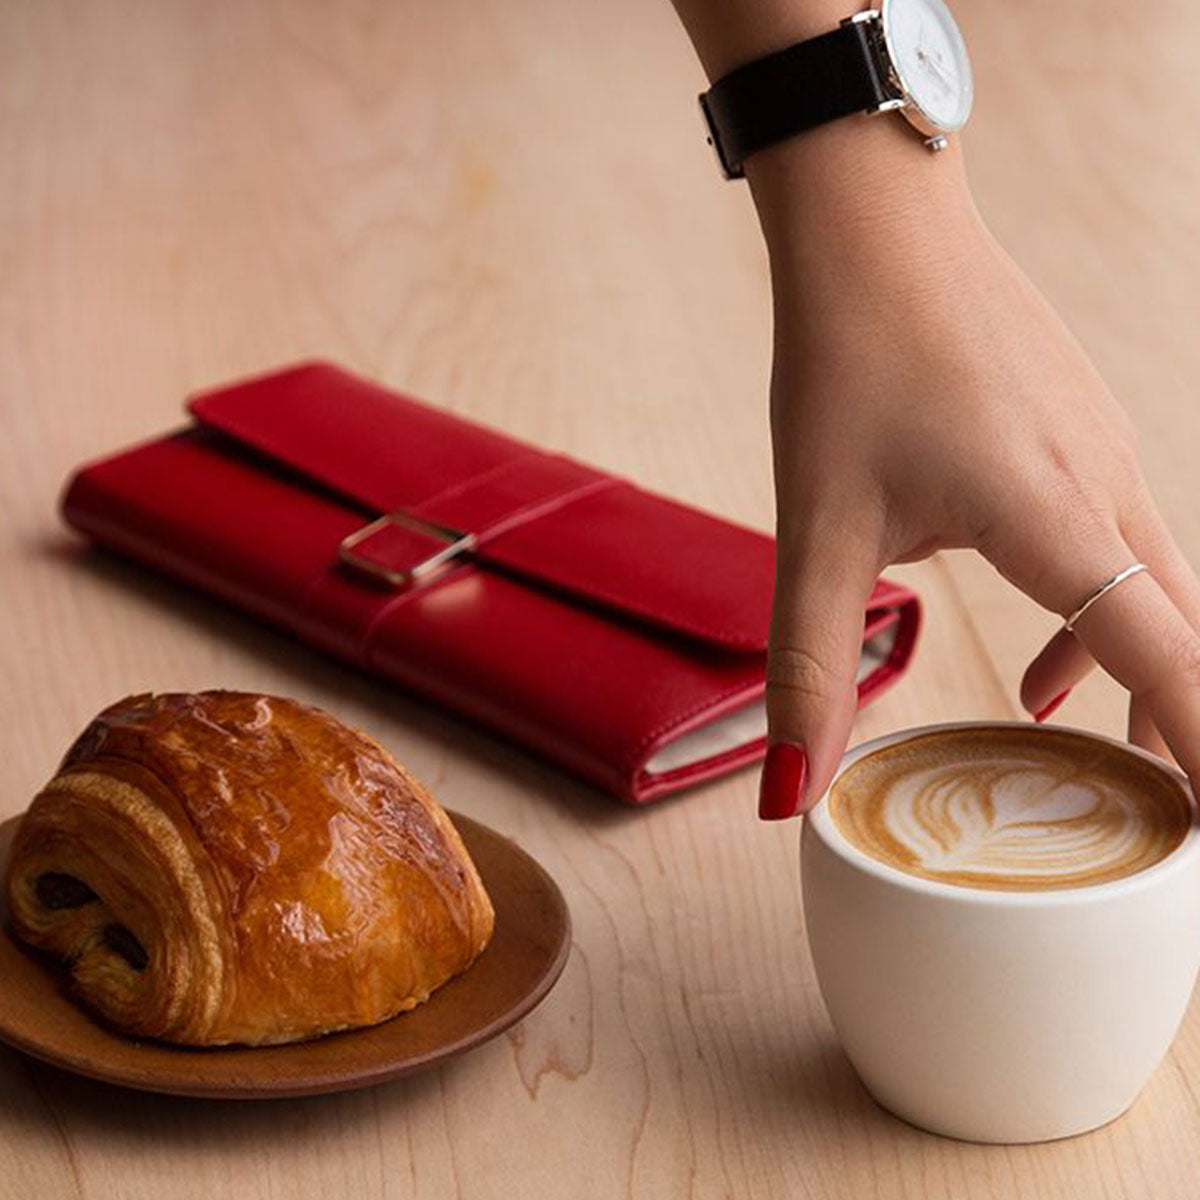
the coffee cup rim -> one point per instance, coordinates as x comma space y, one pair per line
819, 822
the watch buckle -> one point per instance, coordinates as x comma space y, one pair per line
453, 544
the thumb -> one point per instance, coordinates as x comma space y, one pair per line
815, 649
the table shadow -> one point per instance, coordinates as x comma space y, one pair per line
122, 1118
803, 1091
812, 1087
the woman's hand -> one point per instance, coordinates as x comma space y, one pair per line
924, 395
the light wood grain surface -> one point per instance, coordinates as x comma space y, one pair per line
506, 206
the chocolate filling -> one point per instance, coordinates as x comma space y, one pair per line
56, 890
120, 941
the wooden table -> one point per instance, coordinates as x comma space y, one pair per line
507, 206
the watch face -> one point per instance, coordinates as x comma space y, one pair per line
930, 58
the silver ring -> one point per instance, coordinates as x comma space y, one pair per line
1107, 586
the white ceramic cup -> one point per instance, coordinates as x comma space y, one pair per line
1000, 1016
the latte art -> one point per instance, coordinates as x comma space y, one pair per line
1010, 809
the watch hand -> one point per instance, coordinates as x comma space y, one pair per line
932, 64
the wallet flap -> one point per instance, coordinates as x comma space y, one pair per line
542, 516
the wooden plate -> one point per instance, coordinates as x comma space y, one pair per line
524, 959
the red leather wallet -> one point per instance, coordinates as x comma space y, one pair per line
616, 632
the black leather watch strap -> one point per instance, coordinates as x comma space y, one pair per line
795, 89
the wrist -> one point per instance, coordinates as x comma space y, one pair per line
863, 198
859, 174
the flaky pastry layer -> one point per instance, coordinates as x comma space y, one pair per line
225, 867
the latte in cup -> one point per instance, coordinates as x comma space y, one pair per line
1010, 809
1004, 921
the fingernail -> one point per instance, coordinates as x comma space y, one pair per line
1052, 707
784, 775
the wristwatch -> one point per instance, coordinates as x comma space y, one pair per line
907, 56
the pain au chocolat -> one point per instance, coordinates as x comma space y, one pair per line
231, 868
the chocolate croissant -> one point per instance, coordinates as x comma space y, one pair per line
225, 867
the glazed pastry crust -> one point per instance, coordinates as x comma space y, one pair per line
225, 867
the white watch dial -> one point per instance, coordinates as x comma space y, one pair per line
930, 57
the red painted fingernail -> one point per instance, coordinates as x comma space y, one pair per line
1052, 707
784, 775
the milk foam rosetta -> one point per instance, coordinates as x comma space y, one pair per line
1013, 809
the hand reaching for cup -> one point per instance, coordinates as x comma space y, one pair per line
925, 396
